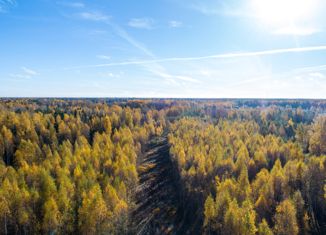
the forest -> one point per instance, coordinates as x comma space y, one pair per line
239, 166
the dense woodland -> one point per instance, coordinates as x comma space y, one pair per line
254, 171
69, 166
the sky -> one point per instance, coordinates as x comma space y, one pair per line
163, 48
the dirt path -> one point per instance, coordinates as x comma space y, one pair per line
157, 197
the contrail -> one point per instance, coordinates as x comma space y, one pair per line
216, 56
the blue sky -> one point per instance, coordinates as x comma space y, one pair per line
163, 48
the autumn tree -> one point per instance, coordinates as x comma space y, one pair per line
285, 219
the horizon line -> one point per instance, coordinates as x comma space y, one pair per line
144, 98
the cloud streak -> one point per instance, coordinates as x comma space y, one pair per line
199, 58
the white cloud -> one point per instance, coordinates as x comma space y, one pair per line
175, 24
72, 4
141, 23
93, 16
103, 57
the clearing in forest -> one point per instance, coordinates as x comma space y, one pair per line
157, 196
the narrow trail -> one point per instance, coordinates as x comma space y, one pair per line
157, 196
